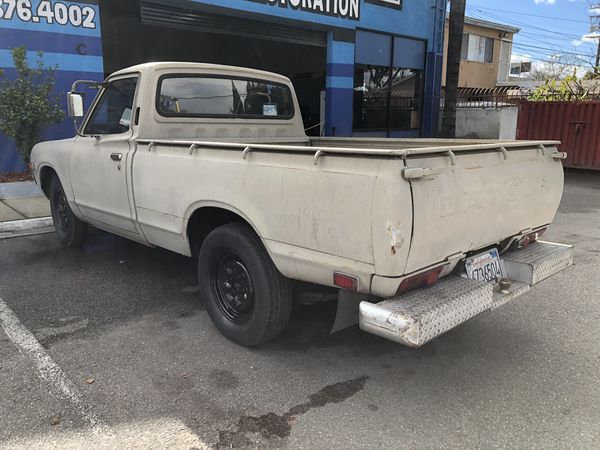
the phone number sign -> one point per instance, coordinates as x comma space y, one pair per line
45, 12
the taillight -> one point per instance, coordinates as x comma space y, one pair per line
530, 238
345, 281
423, 279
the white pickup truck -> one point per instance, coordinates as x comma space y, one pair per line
213, 162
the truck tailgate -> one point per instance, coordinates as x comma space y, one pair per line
467, 200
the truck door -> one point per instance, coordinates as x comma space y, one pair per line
99, 160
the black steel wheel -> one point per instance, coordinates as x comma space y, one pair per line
62, 210
246, 297
70, 230
233, 288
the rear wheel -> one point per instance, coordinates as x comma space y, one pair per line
248, 300
70, 230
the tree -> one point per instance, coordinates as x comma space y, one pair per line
568, 89
550, 70
28, 103
455, 38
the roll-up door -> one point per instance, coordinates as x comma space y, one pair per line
188, 16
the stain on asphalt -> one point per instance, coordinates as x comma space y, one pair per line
49, 341
274, 426
224, 379
66, 329
174, 384
170, 325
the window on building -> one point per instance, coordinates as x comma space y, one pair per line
477, 48
388, 83
112, 114
405, 101
504, 65
387, 97
205, 96
371, 96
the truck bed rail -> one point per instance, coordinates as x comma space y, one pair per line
319, 151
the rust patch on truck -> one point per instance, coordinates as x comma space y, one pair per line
395, 232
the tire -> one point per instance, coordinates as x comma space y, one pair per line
70, 230
246, 297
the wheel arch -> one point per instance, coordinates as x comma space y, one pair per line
205, 217
46, 173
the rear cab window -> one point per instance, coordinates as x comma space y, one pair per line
223, 97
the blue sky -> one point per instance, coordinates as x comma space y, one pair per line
559, 31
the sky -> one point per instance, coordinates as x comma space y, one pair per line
548, 27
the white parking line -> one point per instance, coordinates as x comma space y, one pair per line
58, 382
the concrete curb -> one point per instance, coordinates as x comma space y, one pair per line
26, 227
20, 189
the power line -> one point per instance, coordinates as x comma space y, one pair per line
544, 39
570, 59
526, 25
555, 50
562, 19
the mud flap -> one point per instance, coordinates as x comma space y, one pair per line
347, 309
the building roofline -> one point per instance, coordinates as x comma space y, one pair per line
490, 25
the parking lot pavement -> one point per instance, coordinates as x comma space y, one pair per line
123, 328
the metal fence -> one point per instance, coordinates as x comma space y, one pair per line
487, 98
575, 124
504, 97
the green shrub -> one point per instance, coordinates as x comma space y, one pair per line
28, 103
568, 89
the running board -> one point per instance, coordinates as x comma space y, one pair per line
420, 316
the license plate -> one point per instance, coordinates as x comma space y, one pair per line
486, 266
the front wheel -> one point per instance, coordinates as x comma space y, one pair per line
246, 297
70, 230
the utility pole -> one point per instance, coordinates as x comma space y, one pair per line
595, 32
456, 23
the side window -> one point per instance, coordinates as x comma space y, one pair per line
113, 112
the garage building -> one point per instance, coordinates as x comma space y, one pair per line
359, 67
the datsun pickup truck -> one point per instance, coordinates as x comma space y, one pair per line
413, 236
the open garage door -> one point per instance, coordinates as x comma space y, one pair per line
190, 17
136, 32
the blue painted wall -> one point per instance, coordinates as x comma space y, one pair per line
70, 37
417, 19
77, 49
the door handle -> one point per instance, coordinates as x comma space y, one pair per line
116, 156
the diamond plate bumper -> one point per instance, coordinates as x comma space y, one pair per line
416, 318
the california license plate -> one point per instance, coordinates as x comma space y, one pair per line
486, 266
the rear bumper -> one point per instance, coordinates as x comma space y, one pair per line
416, 318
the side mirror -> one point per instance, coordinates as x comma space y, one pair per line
75, 104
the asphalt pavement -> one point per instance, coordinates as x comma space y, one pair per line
109, 346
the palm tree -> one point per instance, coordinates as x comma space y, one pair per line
455, 33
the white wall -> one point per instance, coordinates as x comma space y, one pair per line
487, 123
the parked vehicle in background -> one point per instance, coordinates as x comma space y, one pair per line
213, 162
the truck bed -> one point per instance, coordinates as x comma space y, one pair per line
452, 197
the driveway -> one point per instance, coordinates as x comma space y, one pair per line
110, 346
